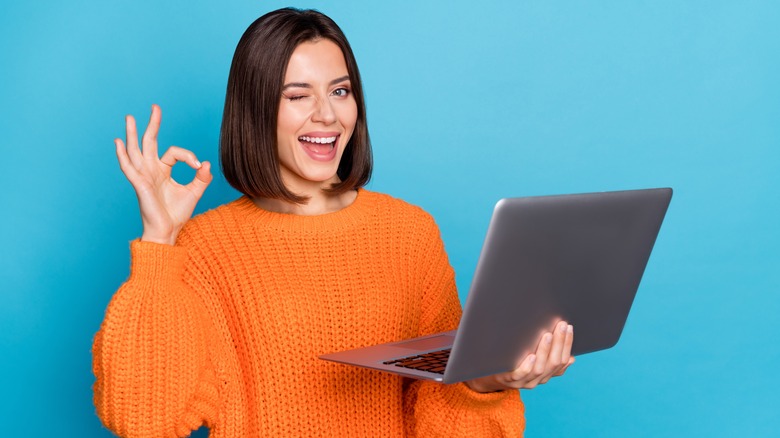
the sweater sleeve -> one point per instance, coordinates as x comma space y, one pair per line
151, 357
438, 410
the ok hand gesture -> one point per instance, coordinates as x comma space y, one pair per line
165, 204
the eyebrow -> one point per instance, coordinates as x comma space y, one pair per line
307, 85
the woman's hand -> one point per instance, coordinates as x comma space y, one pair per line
165, 204
552, 358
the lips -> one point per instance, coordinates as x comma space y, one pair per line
319, 147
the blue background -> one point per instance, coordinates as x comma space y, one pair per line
468, 102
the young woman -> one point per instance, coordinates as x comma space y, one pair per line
224, 315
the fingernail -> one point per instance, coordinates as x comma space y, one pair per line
570, 329
197, 164
532, 358
548, 338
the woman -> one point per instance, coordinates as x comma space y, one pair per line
223, 315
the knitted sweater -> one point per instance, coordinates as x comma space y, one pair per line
224, 329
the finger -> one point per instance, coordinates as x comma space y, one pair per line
542, 354
567, 344
202, 179
124, 161
131, 134
175, 154
556, 352
520, 374
150, 135
566, 367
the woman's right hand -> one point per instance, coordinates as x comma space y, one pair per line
165, 204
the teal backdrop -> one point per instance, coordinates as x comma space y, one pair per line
467, 102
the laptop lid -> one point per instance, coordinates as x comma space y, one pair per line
578, 258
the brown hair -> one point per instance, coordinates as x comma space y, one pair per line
249, 154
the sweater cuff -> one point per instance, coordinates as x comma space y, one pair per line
456, 411
156, 261
461, 391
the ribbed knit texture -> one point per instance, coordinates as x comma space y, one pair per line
224, 329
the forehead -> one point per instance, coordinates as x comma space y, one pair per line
314, 61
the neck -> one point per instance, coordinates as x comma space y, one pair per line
319, 203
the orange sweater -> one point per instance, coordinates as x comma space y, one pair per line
224, 329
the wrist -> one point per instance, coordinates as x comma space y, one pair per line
156, 238
484, 385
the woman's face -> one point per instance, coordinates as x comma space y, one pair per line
317, 116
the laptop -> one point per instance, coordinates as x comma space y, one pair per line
577, 258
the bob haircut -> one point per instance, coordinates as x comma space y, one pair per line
249, 154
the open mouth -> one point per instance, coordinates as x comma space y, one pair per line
319, 148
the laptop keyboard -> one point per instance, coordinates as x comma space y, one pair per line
433, 362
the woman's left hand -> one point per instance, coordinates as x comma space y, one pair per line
551, 359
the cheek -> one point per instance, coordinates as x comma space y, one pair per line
290, 119
349, 118
282, 122
286, 130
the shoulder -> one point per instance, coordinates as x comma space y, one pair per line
411, 230
391, 207
213, 223
407, 218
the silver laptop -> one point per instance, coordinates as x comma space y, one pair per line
578, 258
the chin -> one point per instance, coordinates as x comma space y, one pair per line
320, 177
307, 173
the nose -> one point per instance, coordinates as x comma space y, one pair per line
324, 112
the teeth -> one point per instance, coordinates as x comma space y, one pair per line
320, 140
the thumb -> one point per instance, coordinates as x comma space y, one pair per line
202, 179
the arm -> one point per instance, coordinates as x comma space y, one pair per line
433, 409
153, 356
